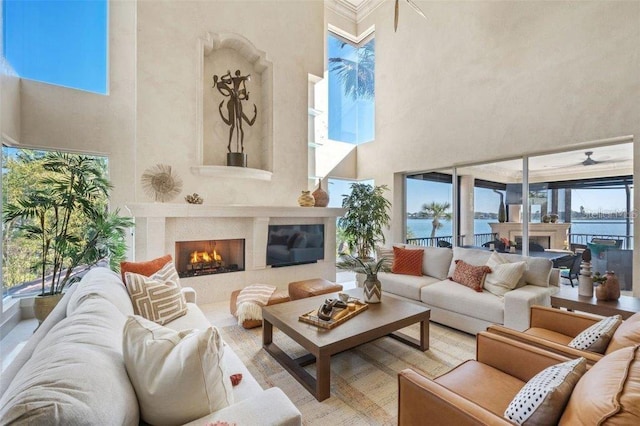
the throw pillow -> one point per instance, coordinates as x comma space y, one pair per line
504, 275
178, 376
159, 297
596, 338
543, 398
387, 254
407, 262
628, 334
144, 268
469, 275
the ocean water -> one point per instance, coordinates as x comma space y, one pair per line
421, 228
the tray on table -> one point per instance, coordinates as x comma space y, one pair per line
312, 316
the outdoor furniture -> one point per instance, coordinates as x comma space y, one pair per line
569, 267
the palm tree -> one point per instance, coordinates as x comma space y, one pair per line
437, 211
358, 77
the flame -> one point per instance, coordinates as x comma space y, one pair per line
203, 256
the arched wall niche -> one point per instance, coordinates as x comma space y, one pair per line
217, 54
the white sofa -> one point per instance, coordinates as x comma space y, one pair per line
71, 371
463, 308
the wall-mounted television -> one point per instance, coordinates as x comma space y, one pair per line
295, 244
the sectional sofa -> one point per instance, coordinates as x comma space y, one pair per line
72, 370
461, 307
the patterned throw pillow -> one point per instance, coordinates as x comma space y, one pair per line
542, 400
407, 262
469, 275
504, 275
387, 253
157, 298
596, 338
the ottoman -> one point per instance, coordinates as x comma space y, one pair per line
278, 296
312, 287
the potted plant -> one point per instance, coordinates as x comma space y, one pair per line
66, 212
372, 287
367, 212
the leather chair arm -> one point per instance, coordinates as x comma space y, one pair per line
557, 348
423, 401
561, 321
512, 357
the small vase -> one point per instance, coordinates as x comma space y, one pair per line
372, 289
306, 199
613, 286
601, 292
585, 282
502, 213
321, 196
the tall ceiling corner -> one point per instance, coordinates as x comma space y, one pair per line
355, 10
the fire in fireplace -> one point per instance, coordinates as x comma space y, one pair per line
196, 258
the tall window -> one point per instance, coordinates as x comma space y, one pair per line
429, 208
351, 90
61, 42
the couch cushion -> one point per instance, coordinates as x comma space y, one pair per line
463, 300
76, 374
470, 275
471, 256
504, 275
193, 319
159, 297
407, 262
178, 376
542, 400
596, 338
104, 283
627, 334
144, 268
404, 285
436, 260
609, 393
552, 336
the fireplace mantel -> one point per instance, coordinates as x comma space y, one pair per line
557, 232
203, 210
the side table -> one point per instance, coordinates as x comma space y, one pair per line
568, 298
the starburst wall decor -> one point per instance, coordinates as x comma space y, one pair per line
161, 183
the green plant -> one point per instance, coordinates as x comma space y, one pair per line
360, 266
437, 211
598, 279
66, 213
367, 212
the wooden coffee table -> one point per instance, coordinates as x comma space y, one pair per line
379, 320
570, 299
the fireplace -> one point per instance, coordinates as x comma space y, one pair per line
544, 241
205, 257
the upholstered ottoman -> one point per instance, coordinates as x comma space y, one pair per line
278, 296
313, 287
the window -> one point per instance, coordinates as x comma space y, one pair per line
21, 260
61, 42
351, 90
429, 208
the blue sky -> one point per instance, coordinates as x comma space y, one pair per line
61, 42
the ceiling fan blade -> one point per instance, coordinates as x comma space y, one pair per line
416, 8
395, 18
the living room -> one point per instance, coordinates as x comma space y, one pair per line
474, 82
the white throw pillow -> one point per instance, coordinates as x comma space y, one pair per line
504, 275
159, 297
542, 399
178, 376
596, 338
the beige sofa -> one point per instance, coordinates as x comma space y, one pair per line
72, 371
462, 308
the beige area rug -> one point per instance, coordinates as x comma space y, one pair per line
364, 384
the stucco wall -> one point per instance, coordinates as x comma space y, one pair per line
289, 32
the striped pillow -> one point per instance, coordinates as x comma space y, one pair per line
387, 254
157, 298
407, 262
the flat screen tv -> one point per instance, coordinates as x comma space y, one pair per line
294, 244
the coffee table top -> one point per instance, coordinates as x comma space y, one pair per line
378, 320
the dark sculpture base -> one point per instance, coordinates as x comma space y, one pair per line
236, 159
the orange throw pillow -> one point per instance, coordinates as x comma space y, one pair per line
147, 268
469, 275
407, 262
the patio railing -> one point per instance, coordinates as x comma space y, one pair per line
626, 241
478, 240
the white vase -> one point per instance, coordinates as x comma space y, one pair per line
585, 282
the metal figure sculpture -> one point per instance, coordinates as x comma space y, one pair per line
235, 89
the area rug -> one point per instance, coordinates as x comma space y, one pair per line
364, 383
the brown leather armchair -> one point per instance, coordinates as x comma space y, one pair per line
478, 392
552, 329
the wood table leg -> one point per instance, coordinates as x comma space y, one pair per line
323, 377
267, 332
424, 335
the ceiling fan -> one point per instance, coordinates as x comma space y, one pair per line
397, 12
589, 161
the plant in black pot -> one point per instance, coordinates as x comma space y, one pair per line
367, 213
66, 213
